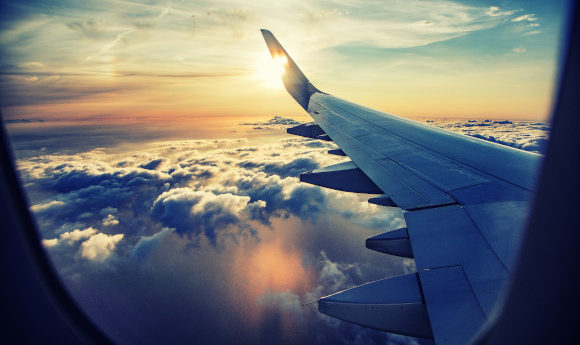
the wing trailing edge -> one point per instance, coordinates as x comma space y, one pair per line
400, 311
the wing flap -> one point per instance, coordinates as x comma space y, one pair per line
401, 311
446, 237
394, 242
453, 309
337, 152
342, 176
308, 130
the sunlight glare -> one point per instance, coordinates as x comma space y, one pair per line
269, 71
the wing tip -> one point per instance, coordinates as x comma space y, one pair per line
267, 34
294, 80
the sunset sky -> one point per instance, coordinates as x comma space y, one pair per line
106, 60
151, 141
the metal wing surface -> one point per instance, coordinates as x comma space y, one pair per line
466, 201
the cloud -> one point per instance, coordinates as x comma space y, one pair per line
105, 48
233, 19
77, 235
218, 225
207, 189
147, 244
110, 220
530, 17
18, 87
519, 50
48, 243
23, 120
100, 246
494, 11
94, 246
286, 301
89, 29
46, 206
534, 145
275, 122
153, 164
525, 135
333, 275
283, 169
195, 212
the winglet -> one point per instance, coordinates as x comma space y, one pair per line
294, 80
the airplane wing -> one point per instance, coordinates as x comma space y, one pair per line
466, 201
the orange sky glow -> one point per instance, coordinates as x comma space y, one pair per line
117, 60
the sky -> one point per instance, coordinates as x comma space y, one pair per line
165, 190
114, 60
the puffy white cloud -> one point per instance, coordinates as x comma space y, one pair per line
49, 243
100, 246
94, 246
110, 220
77, 235
233, 204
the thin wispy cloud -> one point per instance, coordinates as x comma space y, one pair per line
495, 11
530, 17
89, 29
533, 32
109, 46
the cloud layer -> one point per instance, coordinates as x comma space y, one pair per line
196, 227
220, 232
524, 135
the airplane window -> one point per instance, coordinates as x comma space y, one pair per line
151, 142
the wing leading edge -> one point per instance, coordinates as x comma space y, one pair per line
466, 199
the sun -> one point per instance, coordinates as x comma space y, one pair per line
269, 71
